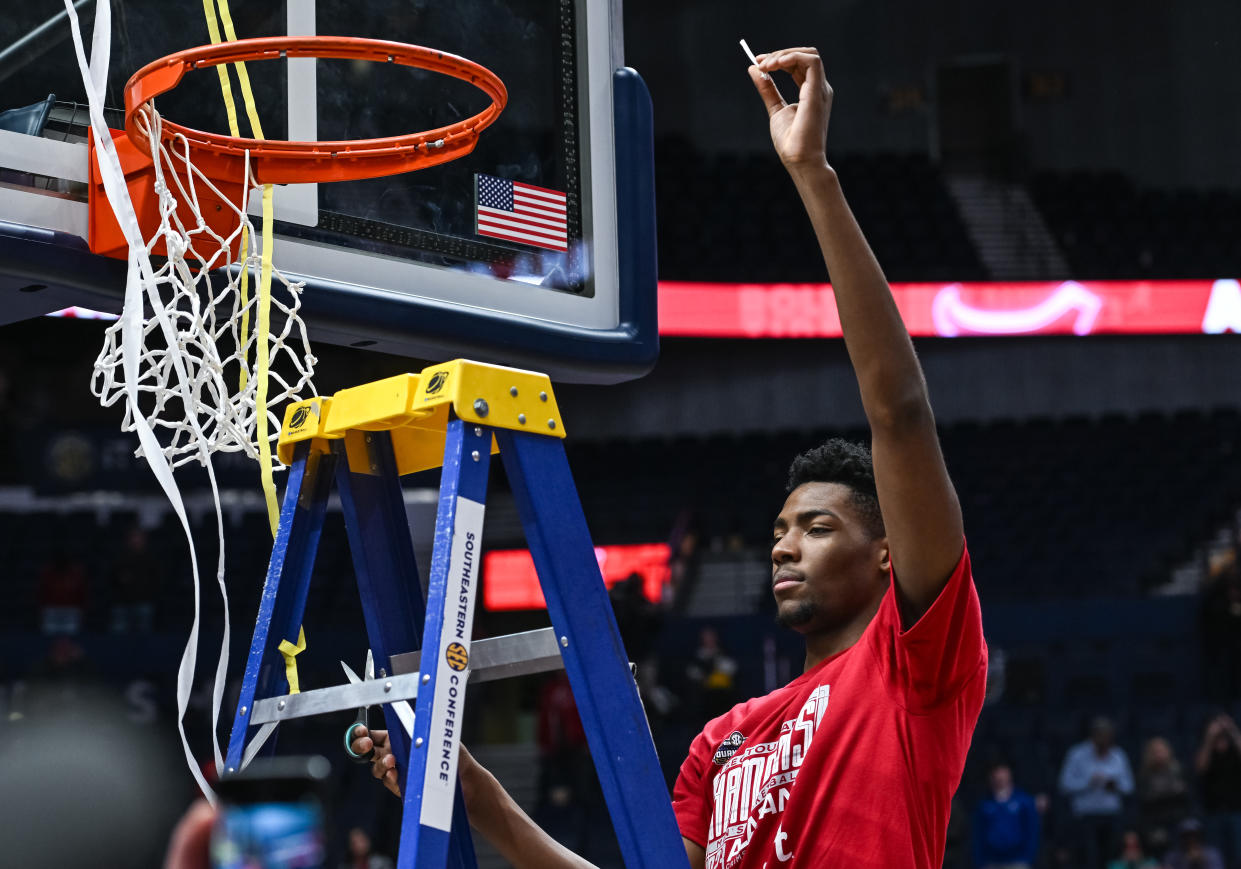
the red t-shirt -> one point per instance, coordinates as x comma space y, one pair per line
853, 764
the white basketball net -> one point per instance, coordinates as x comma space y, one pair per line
201, 288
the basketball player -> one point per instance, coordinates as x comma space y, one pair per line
854, 763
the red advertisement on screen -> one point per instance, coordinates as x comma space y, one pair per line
1190, 307
511, 583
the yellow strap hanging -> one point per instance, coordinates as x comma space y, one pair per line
261, 354
242, 76
262, 350
226, 87
290, 653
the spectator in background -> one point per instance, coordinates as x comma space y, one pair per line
360, 855
567, 787
1096, 778
62, 593
1163, 794
637, 618
711, 676
1006, 825
1218, 765
135, 582
1191, 851
1221, 628
1131, 854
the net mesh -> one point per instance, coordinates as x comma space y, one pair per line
205, 287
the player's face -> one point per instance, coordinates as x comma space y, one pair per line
826, 569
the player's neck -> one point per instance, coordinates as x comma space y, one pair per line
824, 644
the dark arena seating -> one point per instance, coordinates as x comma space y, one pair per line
1109, 227
899, 199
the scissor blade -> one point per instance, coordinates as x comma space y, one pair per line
353, 677
406, 714
370, 664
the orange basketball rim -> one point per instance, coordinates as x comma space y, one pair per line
223, 158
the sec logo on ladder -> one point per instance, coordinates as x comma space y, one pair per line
457, 656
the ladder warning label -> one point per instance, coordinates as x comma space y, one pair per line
452, 666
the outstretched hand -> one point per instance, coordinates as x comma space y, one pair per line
798, 130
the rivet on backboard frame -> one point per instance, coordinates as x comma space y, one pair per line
542, 396
564, 641
474, 455
521, 418
480, 407
551, 423
280, 705
418, 742
512, 390
478, 431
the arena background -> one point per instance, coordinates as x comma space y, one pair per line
1099, 474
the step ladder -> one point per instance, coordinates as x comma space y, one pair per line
456, 416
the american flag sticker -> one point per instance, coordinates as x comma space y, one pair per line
520, 212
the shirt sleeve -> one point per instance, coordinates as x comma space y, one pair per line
1074, 775
943, 651
690, 795
1124, 781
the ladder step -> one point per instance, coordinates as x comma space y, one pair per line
501, 657
493, 658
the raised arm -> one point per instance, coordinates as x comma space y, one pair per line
920, 508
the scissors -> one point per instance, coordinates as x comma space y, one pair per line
402, 708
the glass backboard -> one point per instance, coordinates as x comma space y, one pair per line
426, 264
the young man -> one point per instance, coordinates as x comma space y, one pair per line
854, 763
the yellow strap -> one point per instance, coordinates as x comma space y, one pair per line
290, 653
243, 289
242, 76
226, 86
261, 354
262, 350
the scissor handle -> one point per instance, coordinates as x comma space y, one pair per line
354, 756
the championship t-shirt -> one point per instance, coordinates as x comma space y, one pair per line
854, 763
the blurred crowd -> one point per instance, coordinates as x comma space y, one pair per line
1106, 815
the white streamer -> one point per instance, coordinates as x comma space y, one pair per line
184, 383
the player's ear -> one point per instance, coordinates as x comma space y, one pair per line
884, 554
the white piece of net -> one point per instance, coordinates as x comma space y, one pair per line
200, 285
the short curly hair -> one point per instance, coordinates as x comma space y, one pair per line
848, 463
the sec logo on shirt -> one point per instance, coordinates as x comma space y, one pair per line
728, 747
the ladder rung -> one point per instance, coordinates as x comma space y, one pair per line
501, 657
493, 658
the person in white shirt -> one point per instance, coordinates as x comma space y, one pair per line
1096, 778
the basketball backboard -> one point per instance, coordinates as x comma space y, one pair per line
405, 264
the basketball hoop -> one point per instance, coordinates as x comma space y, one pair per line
304, 162
190, 190
222, 159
